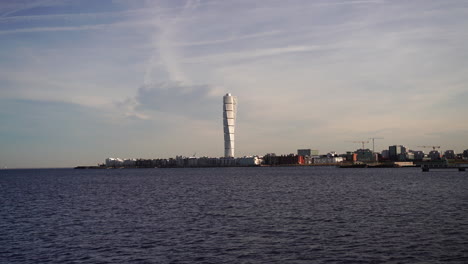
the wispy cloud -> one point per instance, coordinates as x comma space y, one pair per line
93, 15
230, 39
252, 54
350, 2
165, 47
18, 6
78, 28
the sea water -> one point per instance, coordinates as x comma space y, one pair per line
234, 215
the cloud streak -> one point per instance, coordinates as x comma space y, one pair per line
252, 54
22, 6
230, 39
77, 28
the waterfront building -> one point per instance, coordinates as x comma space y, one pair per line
307, 152
269, 158
449, 154
304, 152
191, 162
291, 159
249, 161
465, 154
229, 122
129, 163
365, 155
227, 162
418, 155
395, 152
409, 155
328, 160
308, 160
208, 162
350, 156
385, 154
114, 162
434, 155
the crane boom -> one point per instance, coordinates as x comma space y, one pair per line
433, 147
362, 142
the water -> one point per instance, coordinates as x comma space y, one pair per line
233, 215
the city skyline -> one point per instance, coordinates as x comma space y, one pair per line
83, 80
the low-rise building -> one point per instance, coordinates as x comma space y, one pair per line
114, 162
249, 161
307, 152
465, 154
450, 154
365, 155
328, 160
129, 163
434, 155
385, 154
409, 155
418, 155
290, 159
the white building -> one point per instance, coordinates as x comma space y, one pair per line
114, 162
229, 122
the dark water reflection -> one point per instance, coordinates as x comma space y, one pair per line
233, 215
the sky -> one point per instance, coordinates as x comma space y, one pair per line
83, 80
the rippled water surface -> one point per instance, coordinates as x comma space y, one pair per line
233, 215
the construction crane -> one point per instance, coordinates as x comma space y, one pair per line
373, 145
433, 147
362, 142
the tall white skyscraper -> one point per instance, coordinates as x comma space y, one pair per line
229, 121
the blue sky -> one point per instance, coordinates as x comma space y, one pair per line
84, 80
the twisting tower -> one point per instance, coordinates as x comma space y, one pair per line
229, 121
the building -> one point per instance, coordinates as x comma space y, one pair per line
304, 152
449, 154
114, 162
129, 163
291, 159
418, 155
307, 152
434, 155
396, 152
365, 155
270, 159
249, 161
409, 155
385, 154
328, 160
351, 156
229, 122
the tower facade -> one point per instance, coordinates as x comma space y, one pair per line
229, 122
